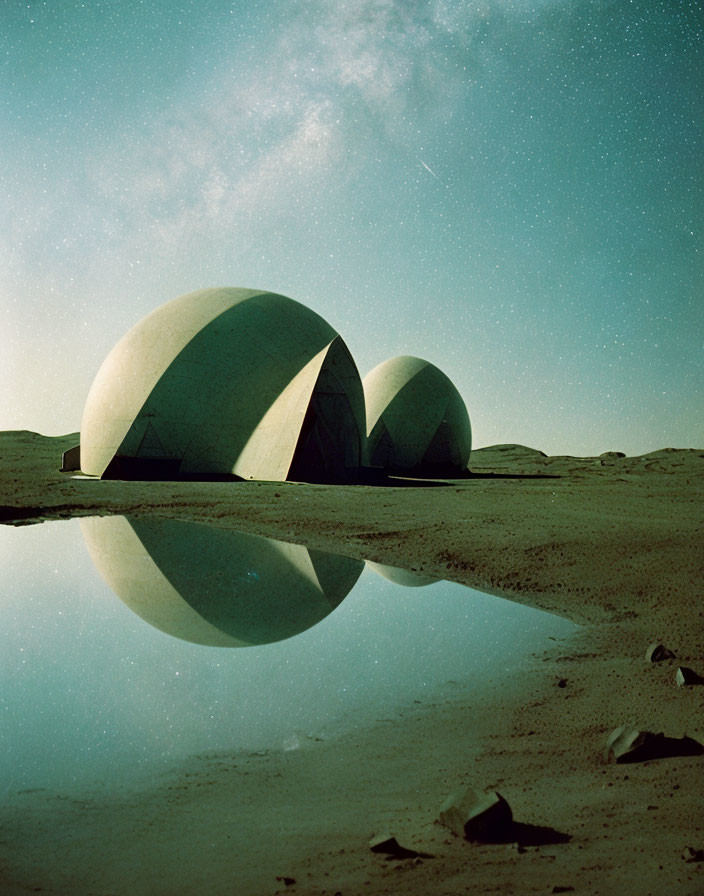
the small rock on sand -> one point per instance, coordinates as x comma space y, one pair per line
627, 744
657, 652
476, 815
689, 854
687, 676
624, 741
389, 846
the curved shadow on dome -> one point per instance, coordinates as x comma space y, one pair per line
216, 587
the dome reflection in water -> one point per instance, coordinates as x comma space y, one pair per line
214, 586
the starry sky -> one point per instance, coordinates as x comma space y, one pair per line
513, 190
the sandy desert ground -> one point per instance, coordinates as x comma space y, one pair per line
612, 542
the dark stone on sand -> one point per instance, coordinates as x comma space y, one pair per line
687, 676
389, 846
517, 847
632, 745
657, 652
689, 854
476, 815
287, 881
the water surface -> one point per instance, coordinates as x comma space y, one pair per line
92, 695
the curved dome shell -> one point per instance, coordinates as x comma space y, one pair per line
224, 381
417, 421
400, 576
216, 587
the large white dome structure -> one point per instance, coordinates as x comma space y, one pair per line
213, 586
226, 381
417, 422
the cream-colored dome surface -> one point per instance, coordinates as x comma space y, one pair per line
218, 381
216, 587
400, 576
416, 418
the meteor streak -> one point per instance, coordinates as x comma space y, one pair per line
430, 170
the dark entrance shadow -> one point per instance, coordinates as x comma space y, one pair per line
159, 470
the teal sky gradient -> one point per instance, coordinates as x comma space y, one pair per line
513, 190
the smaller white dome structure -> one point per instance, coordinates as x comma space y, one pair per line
417, 422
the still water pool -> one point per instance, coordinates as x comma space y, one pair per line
208, 640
